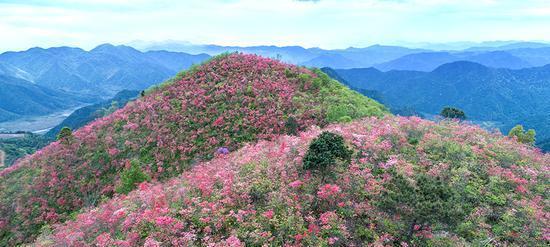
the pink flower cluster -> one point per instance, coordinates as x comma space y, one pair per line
328, 191
258, 195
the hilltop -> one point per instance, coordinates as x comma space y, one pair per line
408, 182
216, 107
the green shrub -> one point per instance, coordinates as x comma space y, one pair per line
345, 119
526, 137
324, 151
130, 178
451, 112
65, 135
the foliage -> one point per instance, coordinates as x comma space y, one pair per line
342, 103
527, 137
131, 177
291, 126
451, 112
324, 151
65, 135
19, 147
425, 202
458, 185
373, 94
231, 100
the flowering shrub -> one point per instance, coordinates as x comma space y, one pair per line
226, 102
456, 185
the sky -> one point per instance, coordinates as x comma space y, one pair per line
310, 23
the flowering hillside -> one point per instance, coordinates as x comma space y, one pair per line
408, 182
220, 105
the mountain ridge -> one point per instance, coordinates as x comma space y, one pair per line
23, 98
486, 94
104, 70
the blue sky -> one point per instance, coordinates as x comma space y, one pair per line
322, 23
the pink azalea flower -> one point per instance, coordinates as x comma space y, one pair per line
268, 214
296, 184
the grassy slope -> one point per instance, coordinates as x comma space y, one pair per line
225, 102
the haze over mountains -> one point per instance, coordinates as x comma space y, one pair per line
21, 98
492, 54
340, 58
103, 70
510, 59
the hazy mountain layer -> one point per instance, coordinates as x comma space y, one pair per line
503, 95
102, 71
23, 98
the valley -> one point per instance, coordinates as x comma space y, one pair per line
37, 124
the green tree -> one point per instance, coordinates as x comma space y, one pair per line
324, 151
65, 135
131, 177
523, 136
452, 112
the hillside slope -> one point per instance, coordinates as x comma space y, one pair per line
409, 182
23, 98
220, 105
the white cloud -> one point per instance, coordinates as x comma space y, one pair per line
325, 23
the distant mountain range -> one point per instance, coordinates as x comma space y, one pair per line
313, 57
101, 71
510, 59
511, 55
98, 74
508, 46
22, 98
41, 81
486, 94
